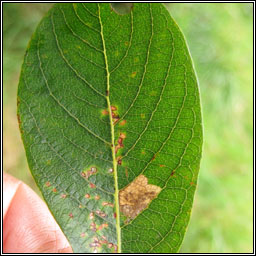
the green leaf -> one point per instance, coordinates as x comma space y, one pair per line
109, 112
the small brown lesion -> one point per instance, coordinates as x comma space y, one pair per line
19, 122
134, 198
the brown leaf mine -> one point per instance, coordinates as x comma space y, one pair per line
134, 198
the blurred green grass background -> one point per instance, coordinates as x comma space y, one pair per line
220, 38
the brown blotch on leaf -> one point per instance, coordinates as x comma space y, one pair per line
54, 190
18, 101
89, 172
119, 162
19, 121
97, 197
134, 198
82, 235
172, 173
71, 215
162, 165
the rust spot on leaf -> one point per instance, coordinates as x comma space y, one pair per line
104, 225
92, 185
97, 197
93, 226
87, 196
119, 160
107, 204
110, 245
63, 196
113, 108
120, 142
114, 114
104, 112
100, 213
91, 216
47, 184
123, 122
71, 215
134, 198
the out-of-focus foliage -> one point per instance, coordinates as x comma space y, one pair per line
220, 40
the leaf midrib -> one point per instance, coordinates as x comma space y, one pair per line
116, 195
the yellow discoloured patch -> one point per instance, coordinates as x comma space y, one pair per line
78, 47
152, 93
88, 24
136, 196
65, 51
133, 74
44, 56
136, 59
48, 162
116, 53
142, 116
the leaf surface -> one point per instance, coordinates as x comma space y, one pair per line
109, 112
